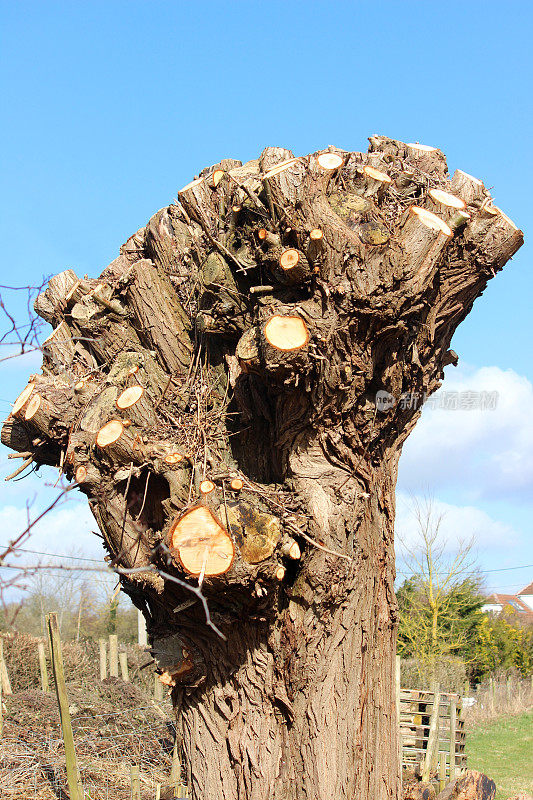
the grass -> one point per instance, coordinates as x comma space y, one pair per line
503, 750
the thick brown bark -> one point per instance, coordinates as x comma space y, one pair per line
263, 314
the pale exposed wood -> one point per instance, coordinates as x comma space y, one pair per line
427, 159
201, 542
431, 220
377, 175
442, 198
206, 487
280, 572
236, 484
22, 399
33, 406
291, 549
129, 397
281, 167
329, 161
218, 174
286, 333
173, 458
316, 234
81, 474
111, 431
293, 267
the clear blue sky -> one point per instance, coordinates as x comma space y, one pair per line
110, 107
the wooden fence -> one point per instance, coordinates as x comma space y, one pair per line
432, 733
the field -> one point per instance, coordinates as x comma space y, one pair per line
503, 749
115, 724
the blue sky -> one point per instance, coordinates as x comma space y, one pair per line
109, 108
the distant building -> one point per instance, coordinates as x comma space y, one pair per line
521, 603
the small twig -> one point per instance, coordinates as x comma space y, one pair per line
22, 467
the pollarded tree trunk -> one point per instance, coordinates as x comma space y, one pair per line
227, 395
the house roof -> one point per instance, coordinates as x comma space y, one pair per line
528, 589
514, 602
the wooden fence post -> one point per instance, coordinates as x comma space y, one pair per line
158, 689
45, 686
135, 782
4, 677
123, 658
453, 734
113, 655
73, 777
442, 771
103, 659
509, 688
433, 738
175, 770
142, 635
398, 677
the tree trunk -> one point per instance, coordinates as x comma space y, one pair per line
233, 402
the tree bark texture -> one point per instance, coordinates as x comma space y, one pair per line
297, 701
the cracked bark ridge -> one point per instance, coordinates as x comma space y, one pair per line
214, 395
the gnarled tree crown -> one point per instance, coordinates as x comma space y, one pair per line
213, 394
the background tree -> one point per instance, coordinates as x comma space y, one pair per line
440, 604
214, 395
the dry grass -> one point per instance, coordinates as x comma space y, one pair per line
115, 725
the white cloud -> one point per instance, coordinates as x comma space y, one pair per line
479, 453
459, 524
64, 530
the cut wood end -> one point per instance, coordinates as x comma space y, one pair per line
329, 161
236, 208
173, 458
262, 234
289, 259
129, 397
218, 174
316, 234
79, 386
206, 487
33, 407
377, 175
23, 398
506, 218
281, 167
431, 220
109, 433
446, 199
133, 370
425, 148
291, 549
468, 177
81, 474
203, 545
286, 333
236, 484
280, 572
190, 185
